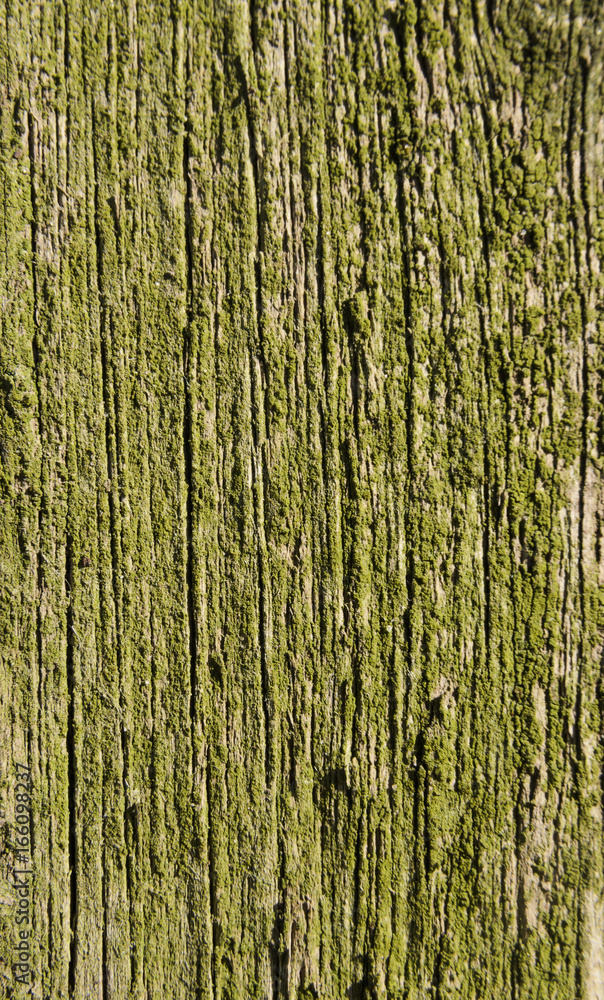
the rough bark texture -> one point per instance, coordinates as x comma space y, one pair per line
302, 509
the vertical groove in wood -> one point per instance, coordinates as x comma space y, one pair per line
300, 466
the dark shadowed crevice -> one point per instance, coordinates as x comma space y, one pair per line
107, 403
36, 351
578, 124
188, 374
71, 773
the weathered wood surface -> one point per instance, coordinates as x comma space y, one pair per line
302, 506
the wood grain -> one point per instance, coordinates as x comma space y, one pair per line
301, 441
